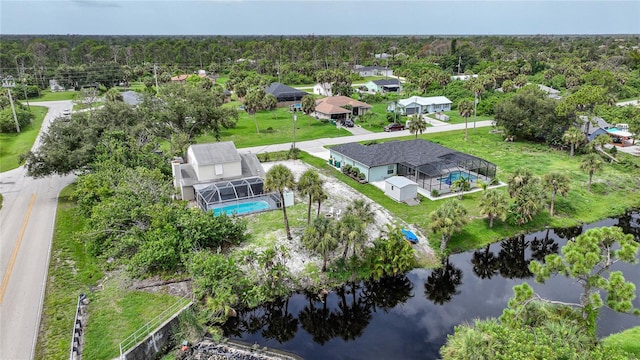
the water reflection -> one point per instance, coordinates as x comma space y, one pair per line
385, 319
443, 283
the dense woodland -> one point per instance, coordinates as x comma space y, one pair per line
121, 153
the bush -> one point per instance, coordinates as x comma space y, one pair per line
613, 151
346, 169
435, 193
361, 176
8, 124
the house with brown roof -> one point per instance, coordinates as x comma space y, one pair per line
180, 79
339, 108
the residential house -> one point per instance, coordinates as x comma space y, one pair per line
337, 108
464, 77
421, 105
212, 163
54, 86
430, 165
551, 92
323, 89
180, 79
384, 86
383, 56
365, 71
285, 95
592, 128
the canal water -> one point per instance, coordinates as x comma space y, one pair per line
410, 316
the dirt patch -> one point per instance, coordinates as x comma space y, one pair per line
340, 196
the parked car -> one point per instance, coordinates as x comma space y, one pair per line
66, 112
394, 127
347, 123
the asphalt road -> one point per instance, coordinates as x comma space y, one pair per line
26, 228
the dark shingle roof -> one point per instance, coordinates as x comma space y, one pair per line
283, 92
383, 82
415, 152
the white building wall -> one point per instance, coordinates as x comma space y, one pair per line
392, 191
208, 172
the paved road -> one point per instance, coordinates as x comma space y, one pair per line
26, 228
630, 102
317, 147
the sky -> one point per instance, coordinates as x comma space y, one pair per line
326, 17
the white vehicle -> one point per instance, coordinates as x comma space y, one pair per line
66, 112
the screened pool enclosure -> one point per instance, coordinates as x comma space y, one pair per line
212, 195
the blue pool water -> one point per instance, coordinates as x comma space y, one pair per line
456, 175
242, 208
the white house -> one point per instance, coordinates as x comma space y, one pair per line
323, 89
384, 86
399, 188
54, 86
464, 77
365, 71
209, 163
421, 105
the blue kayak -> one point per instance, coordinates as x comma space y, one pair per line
410, 236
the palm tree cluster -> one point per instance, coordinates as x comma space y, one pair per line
322, 235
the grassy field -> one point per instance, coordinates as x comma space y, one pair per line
15, 144
47, 95
114, 312
615, 189
455, 118
275, 127
71, 272
628, 340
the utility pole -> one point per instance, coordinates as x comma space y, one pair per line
24, 87
155, 75
8, 83
475, 106
295, 118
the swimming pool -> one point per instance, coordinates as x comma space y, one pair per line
242, 208
456, 175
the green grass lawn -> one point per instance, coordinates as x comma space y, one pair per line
222, 80
628, 340
275, 127
71, 272
82, 106
615, 189
114, 312
12, 145
47, 95
455, 118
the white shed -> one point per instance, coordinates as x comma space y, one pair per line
399, 188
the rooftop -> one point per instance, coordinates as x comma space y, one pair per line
215, 153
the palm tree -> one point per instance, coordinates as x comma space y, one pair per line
447, 220
269, 102
574, 137
362, 210
308, 104
520, 178
417, 125
465, 109
253, 103
461, 185
348, 231
308, 186
113, 95
279, 178
319, 197
591, 164
493, 204
557, 183
319, 238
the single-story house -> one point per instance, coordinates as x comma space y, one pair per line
372, 71
421, 105
335, 107
180, 79
594, 127
323, 89
54, 86
431, 166
285, 95
551, 92
383, 56
210, 164
399, 188
384, 85
464, 77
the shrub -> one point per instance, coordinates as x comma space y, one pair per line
494, 181
613, 151
435, 193
8, 124
346, 169
361, 176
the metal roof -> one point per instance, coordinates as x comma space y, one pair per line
400, 181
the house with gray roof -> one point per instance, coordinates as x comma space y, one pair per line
430, 165
365, 71
286, 95
384, 86
593, 127
421, 105
213, 163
